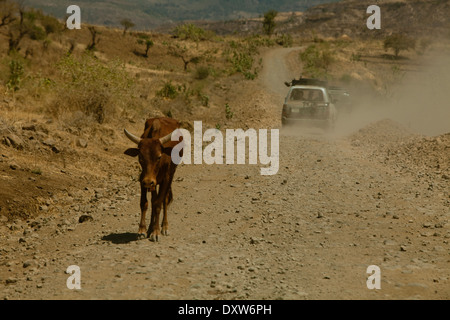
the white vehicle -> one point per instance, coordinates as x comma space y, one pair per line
308, 104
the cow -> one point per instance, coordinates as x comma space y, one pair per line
154, 149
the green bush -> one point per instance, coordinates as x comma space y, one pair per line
241, 55
317, 60
192, 32
242, 62
228, 113
168, 91
51, 24
37, 33
203, 98
399, 42
16, 73
284, 40
99, 90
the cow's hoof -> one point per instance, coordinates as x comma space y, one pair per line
154, 237
165, 232
141, 236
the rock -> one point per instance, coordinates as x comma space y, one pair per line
49, 142
85, 218
15, 141
29, 263
389, 242
6, 142
56, 149
82, 143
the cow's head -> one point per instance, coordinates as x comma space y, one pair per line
150, 151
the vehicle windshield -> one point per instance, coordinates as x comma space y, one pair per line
306, 95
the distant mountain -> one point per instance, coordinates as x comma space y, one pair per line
148, 14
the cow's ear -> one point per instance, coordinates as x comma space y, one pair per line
132, 152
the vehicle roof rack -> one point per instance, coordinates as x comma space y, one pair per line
311, 82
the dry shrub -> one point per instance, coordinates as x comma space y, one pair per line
100, 90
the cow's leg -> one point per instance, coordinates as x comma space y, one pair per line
165, 223
144, 207
153, 231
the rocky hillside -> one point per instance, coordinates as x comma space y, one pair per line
411, 17
349, 17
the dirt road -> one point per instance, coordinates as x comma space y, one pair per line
308, 232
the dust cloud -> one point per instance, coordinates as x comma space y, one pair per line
420, 102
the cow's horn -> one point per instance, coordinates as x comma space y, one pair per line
132, 137
166, 139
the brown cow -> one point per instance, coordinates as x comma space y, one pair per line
154, 151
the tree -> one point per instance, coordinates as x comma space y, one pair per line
22, 23
18, 30
182, 52
94, 39
269, 22
399, 42
144, 39
126, 24
7, 15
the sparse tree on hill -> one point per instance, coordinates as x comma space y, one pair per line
94, 39
7, 14
19, 30
144, 39
182, 52
126, 24
269, 22
399, 42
